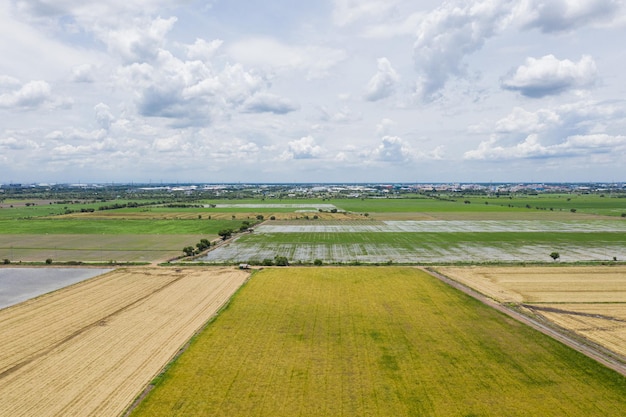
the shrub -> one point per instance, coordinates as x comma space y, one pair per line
317, 262
49, 261
281, 260
6, 261
267, 262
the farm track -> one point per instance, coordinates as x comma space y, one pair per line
90, 349
596, 352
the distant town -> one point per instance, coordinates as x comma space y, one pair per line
310, 190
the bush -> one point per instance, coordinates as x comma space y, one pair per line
6, 261
281, 261
317, 262
267, 262
49, 261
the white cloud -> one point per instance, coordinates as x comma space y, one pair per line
563, 15
203, 50
571, 130
347, 12
303, 148
272, 55
189, 92
84, 73
269, 103
104, 117
549, 75
393, 149
384, 127
383, 83
31, 95
532, 148
141, 41
451, 32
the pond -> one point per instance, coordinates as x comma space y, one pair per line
21, 284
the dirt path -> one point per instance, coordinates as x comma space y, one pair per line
595, 352
90, 349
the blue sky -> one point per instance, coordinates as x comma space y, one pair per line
326, 91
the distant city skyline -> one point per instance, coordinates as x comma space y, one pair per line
333, 91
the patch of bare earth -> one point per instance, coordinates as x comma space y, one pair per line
91, 348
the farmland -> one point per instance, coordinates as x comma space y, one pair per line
430, 241
590, 302
90, 348
375, 341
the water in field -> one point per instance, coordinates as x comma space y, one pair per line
21, 284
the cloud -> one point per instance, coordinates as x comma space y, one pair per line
347, 12
577, 129
562, 15
141, 41
532, 148
84, 73
393, 149
384, 127
549, 76
272, 55
383, 83
269, 103
31, 95
450, 33
203, 50
104, 117
189, 92
303, 148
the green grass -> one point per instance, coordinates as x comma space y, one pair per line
114, 226
376, 342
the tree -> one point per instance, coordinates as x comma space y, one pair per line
281, 260
317, 262
188, 250
555, 256
259, 217
267, 262
225, 233
49, 261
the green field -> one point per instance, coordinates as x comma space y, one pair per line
114, 226
94, 248
376, 342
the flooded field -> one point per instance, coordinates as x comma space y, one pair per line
21, 284
453, 226
417, 242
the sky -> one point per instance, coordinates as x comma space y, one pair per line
158, 91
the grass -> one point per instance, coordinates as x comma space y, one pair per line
378, 342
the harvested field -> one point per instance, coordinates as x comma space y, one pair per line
375, 342
89, 349
589, 301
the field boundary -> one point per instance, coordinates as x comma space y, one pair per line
602, 355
